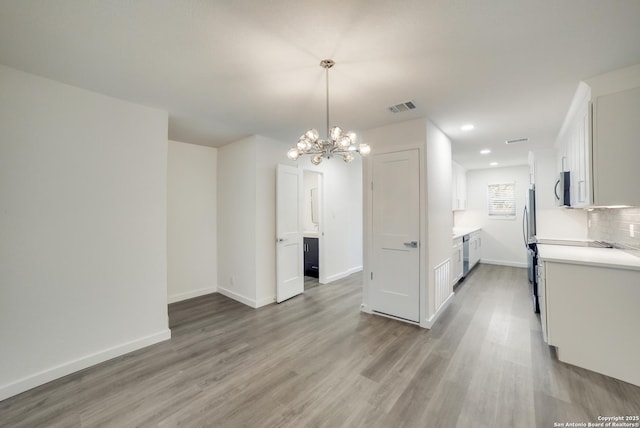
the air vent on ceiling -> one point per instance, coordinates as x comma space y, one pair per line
517, 140
399, 108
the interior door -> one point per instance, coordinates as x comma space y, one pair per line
396, 230
289, 217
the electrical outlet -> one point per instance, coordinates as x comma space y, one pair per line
589, 223
631, 232
232, 280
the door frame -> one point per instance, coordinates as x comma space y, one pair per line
322, 278
367, 203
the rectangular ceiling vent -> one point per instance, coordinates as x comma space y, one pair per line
399, 108
517, 140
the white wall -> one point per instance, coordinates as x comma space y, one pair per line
246, 217
191, 221
435, 207
553, 221
83, 229
502, 241
439, 221
237, 221
269, 154
310, 181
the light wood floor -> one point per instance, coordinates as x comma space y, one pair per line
316, 360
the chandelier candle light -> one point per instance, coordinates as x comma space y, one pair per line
337, 142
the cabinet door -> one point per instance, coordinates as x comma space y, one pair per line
454, 187
456, 263
580, 158
474, 249
542, 298
458, 187
615, 148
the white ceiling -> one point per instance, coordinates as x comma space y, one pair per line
228, 69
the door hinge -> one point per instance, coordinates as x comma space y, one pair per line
372, 186
371, 276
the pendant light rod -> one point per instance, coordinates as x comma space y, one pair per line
327, 64
327, 74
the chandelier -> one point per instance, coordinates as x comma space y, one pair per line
337, 141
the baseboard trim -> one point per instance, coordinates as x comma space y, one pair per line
265, 301
504, 263
428, 323
40, 378
237, 297
344, 274
191, 294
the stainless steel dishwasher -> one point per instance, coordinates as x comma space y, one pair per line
465, 255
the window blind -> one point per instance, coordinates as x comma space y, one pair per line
501, 200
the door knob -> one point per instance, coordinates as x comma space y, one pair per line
280, 240
412, 244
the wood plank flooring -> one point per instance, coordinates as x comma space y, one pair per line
317, 361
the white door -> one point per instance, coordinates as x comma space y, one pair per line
396, 230
289, 211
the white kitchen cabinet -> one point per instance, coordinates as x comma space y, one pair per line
458, 187
475, 246
590, 313
574, 149
542, 298
456, 261
603, 163
616, 148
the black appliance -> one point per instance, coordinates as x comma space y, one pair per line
465, 255
529, 238
563, 189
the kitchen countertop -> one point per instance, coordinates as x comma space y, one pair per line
459, 232
603, 257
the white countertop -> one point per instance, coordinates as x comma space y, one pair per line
310, 234
458, 232
604, 257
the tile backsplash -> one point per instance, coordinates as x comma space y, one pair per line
613, 225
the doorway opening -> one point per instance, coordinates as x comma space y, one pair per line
312, 229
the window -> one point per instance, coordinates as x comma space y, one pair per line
501, 201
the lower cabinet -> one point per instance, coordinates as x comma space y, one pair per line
456, 261
475, 245
590, 314
311, 257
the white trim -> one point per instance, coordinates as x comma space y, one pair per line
342, 274
428, 323
503, 263
265, 301
42, 377
237, 297
191, 294
395, 318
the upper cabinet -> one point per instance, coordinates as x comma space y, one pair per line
599, 143
616, 148
458, 187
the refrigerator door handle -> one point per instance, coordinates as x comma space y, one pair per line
525, 225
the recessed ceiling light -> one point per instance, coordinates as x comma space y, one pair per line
485, 151
493, 163
467, 127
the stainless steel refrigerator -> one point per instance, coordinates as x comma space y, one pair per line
529, 237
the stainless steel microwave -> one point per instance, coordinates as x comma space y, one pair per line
563, 189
